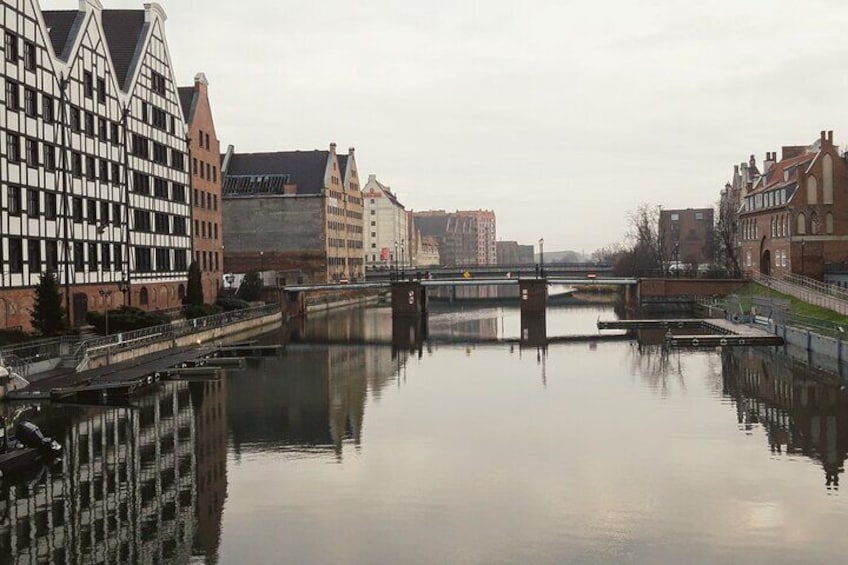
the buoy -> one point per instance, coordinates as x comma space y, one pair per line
741, 342
723, 341
695, 342
735, 318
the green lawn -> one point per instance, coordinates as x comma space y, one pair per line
802, 313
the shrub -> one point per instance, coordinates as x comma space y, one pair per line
228, 304
125, 319
48, 315
192, 311
251, 286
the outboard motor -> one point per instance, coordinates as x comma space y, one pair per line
30, 436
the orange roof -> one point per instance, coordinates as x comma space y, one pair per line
775, 176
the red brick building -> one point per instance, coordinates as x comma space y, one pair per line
205, 186
688, 235
794, 218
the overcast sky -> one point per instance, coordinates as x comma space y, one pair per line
560, 116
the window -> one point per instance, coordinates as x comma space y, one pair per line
116, 173
194, 166
140, 146
160, 118
102, 129
34, 255
91, 211
76, 164
29, 56
802, 224
76, 120
208, 171
101, 90
47, 108
142, 261
161, 223
118, 257
13, 96
180, 261
216, 230
76, 209
178, 193
828, 223
104, 170
89, 124
214, 173
214, 201
116, 214
200, 139
16, 255
141, 183
92, 256
115, 133
87, 84
106, 257
207, 140
160, 153
32, 152
104, 213
160, 188
52, 255
50, 206
163, 259
13, 195
142, 220
90, 167
195, 197
11, 47
79, 256
33, 203
179, 225
157, 83
30, 102
177, 160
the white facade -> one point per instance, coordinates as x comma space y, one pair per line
80, 194
386, 227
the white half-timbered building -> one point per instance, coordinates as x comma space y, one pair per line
94, 160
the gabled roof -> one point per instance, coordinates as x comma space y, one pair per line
59, 25
342, 159
305, 168
124, 31
186, 100
776, 178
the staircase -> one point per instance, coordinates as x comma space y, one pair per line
808, 290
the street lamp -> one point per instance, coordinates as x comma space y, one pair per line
395, 258
123, 286
402, 258
542, 256
105, 294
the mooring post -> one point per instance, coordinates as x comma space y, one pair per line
533, 294
409, 299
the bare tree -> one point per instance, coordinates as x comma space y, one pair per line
651, 242
727, 230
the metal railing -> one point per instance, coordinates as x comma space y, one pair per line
40, 349
165, 332
818, 286
803, 292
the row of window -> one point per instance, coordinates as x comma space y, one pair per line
162, 223
50, 208
203, 199
161, 188
207, 260
157, 152
94, 255
205, 170
205, 229
11, 44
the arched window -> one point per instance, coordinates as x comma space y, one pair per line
827, 180
828, 223
812, 190
181, 292
142, 296
802, 224
814, 223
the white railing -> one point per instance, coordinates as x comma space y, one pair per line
807, 293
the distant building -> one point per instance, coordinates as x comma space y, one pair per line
463, 237
387, 238
205, 185
513, 253
794, 219
297, 213
688, 235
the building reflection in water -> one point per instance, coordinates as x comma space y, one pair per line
138, 484
313, 397
803, 411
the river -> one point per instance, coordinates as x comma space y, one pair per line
465, 450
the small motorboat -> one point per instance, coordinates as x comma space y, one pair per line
29, 447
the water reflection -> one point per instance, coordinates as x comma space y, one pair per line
138, 484
312, 398
803, 411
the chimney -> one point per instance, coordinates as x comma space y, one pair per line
752, 162
333, 148
830, 137
771, 158
351, 150
372, 178
200, 80
823, 136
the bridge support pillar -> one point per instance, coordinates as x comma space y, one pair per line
408, 333
409, 299
293, 304
534, 300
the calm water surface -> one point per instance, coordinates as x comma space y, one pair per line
603, 452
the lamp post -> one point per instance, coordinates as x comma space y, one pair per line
123, 286
803, 270
402, 257
395, 259
104, 295
542, 256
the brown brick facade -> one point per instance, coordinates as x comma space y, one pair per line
206, 180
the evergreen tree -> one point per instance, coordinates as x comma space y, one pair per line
194, 292
48, 315
251, 287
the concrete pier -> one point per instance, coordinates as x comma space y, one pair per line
409, 299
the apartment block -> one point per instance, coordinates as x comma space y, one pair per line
387, 238
688, 235
465, 237
205, 185
93, 165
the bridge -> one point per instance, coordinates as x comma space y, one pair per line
560, 270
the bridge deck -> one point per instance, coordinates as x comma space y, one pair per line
722, 332
444, 282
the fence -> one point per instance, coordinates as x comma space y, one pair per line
135, 338
806, 292
22, 355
